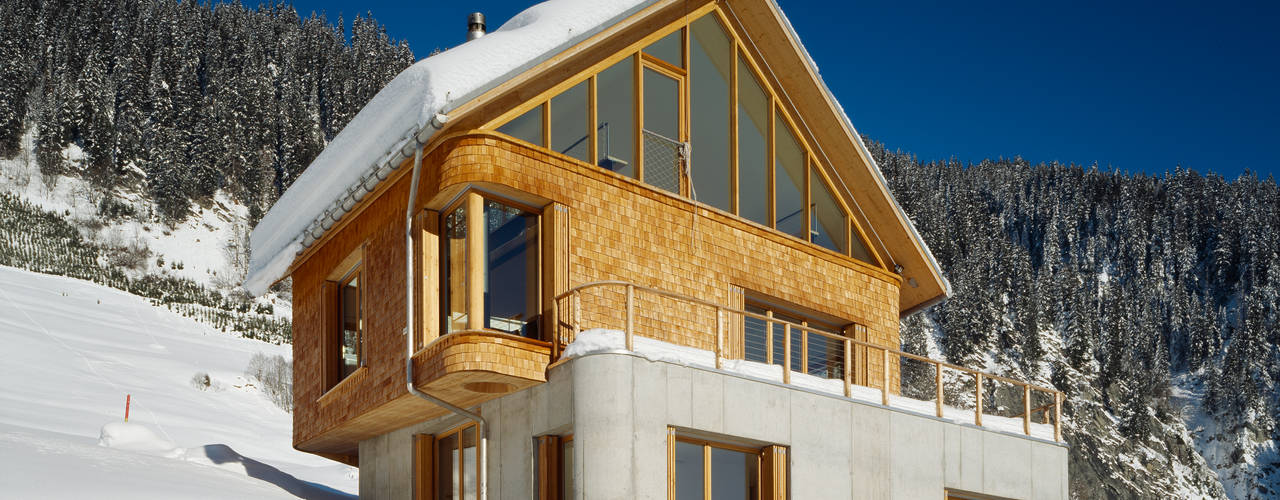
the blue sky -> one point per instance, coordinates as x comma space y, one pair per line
1141, 87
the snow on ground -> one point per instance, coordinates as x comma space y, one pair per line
599, 340
75, 349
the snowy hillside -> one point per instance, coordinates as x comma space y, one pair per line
75, 349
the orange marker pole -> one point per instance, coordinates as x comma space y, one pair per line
127, 397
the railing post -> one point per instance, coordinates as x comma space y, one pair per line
630, 332
977, 408
786, 353
1057, 417
884, 383
768, 338
719, 339
937, 380
1045, 412
1026, 409
577, 314
804, 351
848, 368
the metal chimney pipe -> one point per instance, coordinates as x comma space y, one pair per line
475, 26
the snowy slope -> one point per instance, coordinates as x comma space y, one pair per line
74, 349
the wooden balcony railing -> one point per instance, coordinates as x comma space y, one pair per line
836, 353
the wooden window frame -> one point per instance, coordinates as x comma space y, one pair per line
435, 478
550, 467
772, 466
352, 266
642, 61
474, 200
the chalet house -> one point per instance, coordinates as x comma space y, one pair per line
628, 249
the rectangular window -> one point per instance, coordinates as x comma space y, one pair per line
706, 470
569, 122
789, 169
710, 66
526, 127
352, 357
811, 353
511, 270
616, 117
662, 105
753, 147
456, 464
553, 470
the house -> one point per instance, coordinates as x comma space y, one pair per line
627, 249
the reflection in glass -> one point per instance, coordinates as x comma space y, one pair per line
668, 49
454, 266
352, 324
615, 111
753, 154
526, 127
661, 131
733, 475
859, 250
511, 281
789, 180
469, 481
569, 122
566, 469
447, 467
710, 63
828, 223
689, 471
755, 340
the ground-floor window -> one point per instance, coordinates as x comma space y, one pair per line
700, 469
456, 464
554, 467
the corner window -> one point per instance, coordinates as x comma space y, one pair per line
491, 267
706, 470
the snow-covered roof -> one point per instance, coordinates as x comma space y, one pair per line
399, 116
411, 108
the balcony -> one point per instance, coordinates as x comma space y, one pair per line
611, 316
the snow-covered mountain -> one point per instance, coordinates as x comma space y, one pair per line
76, 349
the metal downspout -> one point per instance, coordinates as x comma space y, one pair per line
481, 424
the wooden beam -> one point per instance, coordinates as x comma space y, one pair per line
424, 467
476, 261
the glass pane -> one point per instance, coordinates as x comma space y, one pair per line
454, 264
789, 180
828, 224
566, 469
352, 320
511, 280
668, 49
569, 122
710, 61
859, 250
616, 112
754, 337
661, 131
469, 480
689, 471
733, 475
526, 127
753, 144
447, 467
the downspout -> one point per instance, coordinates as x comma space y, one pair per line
482, 426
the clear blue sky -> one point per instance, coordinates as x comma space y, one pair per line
1142, 87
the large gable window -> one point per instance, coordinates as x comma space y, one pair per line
693, 113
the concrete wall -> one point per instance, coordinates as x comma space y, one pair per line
619, 408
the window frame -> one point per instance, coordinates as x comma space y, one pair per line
766, 480
435, 482
474, 271
778, 103
351, 266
